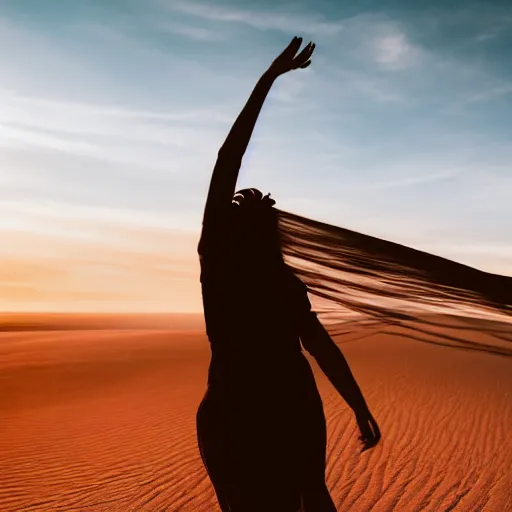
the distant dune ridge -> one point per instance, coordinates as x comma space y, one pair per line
12, 322
98, 413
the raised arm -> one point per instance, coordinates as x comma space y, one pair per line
317, 341
225, 172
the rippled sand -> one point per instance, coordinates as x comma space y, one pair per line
98, 414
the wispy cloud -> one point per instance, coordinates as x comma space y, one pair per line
280, 20
193, 32
109, 133
417, 179
394, 51
48, 214
214, 114
367, 85
22, 137
488, 35
489, 94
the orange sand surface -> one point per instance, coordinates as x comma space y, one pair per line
98, 414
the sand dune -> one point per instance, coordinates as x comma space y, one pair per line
101, 416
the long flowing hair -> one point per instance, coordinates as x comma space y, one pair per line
387, 287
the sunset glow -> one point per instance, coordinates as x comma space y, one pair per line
111, 117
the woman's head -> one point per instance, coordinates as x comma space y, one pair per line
255, 221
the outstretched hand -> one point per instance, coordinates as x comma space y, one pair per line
289, 59
370, 433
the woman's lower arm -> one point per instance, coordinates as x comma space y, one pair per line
334, 365
337, 370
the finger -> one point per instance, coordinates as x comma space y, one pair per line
373, 441
294, 45
303, 60
376, 429
367, 444
305, 53
302, 56
310, 49
371, 444
365, 427
370, 435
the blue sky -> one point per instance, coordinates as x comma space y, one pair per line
111, 114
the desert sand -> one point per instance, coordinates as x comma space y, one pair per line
98, 414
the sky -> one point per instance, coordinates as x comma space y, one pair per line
111, 115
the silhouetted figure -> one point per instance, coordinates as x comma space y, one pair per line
261, 426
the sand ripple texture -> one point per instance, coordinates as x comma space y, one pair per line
104, 420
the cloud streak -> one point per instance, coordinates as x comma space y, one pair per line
418, 179
279, 20
193, 32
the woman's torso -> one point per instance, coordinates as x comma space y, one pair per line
252, 321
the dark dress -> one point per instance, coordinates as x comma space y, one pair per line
261, 426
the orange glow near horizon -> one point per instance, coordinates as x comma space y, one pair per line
56, 265
91, 267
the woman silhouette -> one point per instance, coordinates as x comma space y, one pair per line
261, 426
